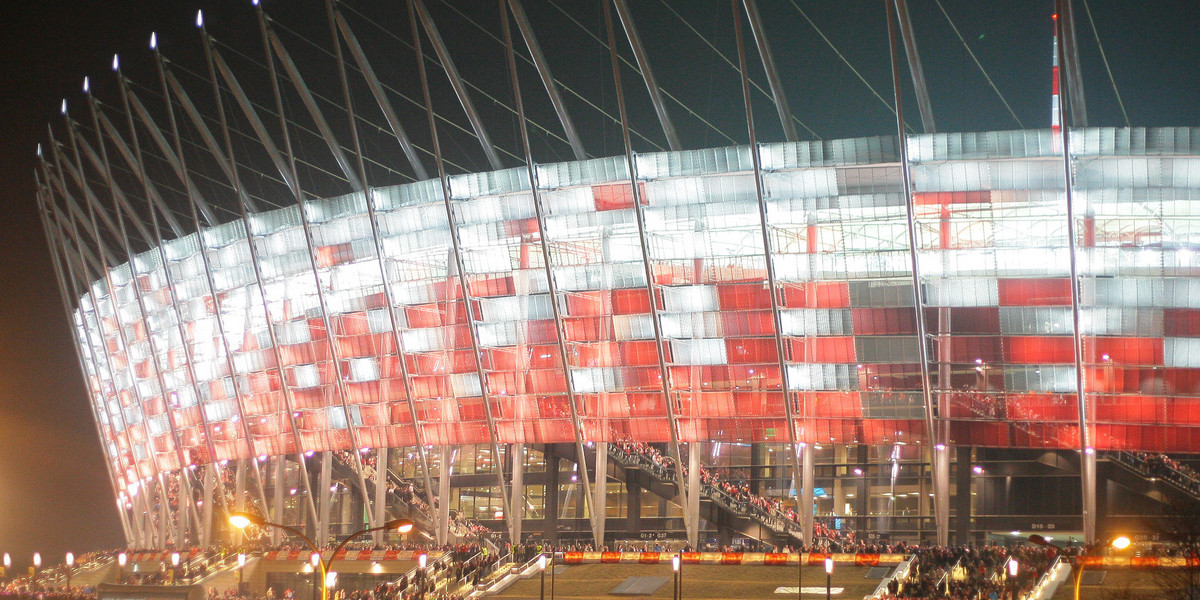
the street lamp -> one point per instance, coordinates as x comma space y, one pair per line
241, 568
314, 561
828, 576
799, 571
541, 563
37, 566
122, 560
675, 593
241, 520
174, 567
7, 563
1120, 543
70, 562
1013, 569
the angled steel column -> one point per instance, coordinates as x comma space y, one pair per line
388, 291
306, 227
768, 59
552, 287
543, 69
648, 272
170, 284
643, 62
239, 399
73, 214
176, 161
1069, 59
468, 301
56, 245
939, 459
210, 58
756, 159
155, 198
210, 142
122, 200
460, 89
1087, 457
385, 105
135, 288
314, 111
599, 502
443, 507
93, 206
138, 535
914, 67
516, 457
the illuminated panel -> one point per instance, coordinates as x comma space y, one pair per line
437, 343
502, 257
349, 270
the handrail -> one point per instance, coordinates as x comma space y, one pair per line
901, 570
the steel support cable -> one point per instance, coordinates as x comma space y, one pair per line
845, 60
978, 64
244, 136
754, 84
277, 25
474, 87
271, 112
637, 70
1104, 59
685, 107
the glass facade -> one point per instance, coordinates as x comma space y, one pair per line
288, 359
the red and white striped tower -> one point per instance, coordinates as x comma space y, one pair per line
1055, 121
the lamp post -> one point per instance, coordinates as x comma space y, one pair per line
241, 520
1013, 569
423, 560
799, 571
241, 568
122, 560
174, 567
314, 561
677, 587
37, 566
1120, 543
828, 576
7, 563
552, 570
541, 563
70, 562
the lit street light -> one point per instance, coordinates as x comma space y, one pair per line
242, 520
828, 576
122, 560
70, 562
1120, 543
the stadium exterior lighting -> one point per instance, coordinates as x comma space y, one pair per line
1120, 542
828, 576
70, 563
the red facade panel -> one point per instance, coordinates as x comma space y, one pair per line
616, 196
1035, 292
1040, 350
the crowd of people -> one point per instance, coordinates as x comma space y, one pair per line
970, 572
1165, 467
734, 495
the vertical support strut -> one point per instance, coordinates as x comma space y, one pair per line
373, 217
768, 59
643, 62
552, 286
460, 89
648, 272
459, 267
206, 261
914, 67
1087, 458
213, 62
759, 194
543, 69
939, 458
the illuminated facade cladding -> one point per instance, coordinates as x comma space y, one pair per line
994, 260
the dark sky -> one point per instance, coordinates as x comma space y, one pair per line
54, 492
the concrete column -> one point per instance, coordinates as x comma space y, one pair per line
381, 480
277, 509
807, 483
862, 500
324, 497
443, 508
1087, 469
516, 505
693, 495
600, 491
962, 497
633, 508
941, 492
550, 522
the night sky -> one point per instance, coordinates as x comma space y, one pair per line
54, 491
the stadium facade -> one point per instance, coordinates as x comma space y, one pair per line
903, 331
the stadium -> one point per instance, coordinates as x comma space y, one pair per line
288, 301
